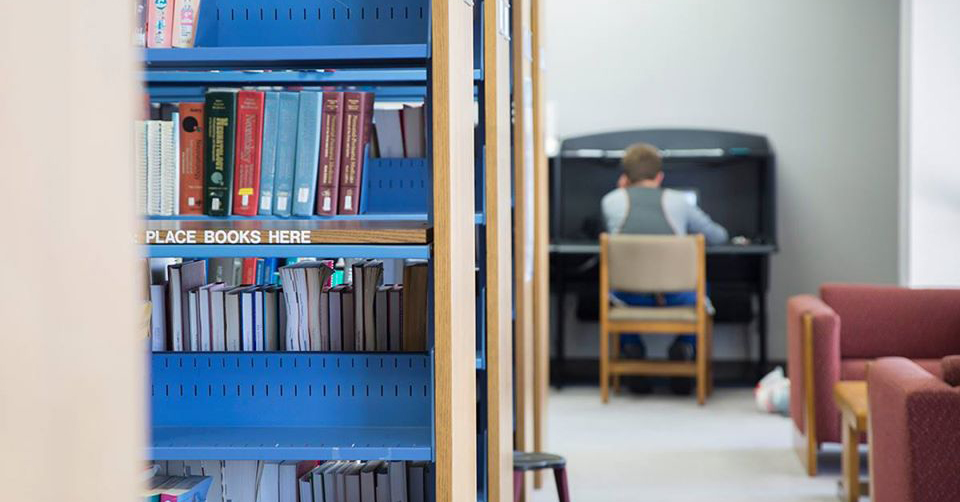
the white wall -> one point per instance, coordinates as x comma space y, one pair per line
818, 77
931, 134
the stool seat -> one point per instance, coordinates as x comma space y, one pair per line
534, 461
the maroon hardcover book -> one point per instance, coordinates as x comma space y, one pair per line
357, 119
331, 125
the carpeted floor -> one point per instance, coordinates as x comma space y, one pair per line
666, 448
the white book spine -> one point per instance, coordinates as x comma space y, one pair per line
154, 171
193, 313
158, 318
205, 338
176, 162
217, 326
246, 324
167, 169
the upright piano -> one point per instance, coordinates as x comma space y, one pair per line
732, 177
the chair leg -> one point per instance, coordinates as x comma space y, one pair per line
517, 486
616, 357
702, 363
563, 491
709, 357
604, 364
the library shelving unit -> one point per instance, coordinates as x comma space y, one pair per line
531, 239
452, 404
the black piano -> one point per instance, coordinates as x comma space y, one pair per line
732, 177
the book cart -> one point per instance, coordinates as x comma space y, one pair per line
451, 405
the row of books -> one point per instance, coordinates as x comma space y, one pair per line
280, 153
300, 481
305, 312
166, 23
163, 488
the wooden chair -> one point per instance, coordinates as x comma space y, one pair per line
653, 264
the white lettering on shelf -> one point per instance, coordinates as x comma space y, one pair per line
171, 237
288, 237
231, 237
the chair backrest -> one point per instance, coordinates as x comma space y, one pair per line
653, 263
879, 321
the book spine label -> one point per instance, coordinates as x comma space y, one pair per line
357, 114
268, 155
249, 139
308, 154
191, 158
220, 115
185, 22
160, 24
286, 153
330, 143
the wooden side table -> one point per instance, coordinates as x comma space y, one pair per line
851, 397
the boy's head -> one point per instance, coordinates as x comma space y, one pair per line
642, 164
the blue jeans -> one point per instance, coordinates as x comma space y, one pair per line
682, 299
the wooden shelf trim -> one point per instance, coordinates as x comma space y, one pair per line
254, 232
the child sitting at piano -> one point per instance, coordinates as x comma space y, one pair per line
640, 206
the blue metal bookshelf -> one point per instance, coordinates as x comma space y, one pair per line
281, 406
316, 406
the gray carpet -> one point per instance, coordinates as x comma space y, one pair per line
666, 448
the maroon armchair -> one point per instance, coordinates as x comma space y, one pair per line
914, 431
832, 337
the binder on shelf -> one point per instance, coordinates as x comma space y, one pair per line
286, 153
308, 154
268, 158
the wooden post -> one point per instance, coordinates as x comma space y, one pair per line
498, 253
454, 250
524, 232
541, 253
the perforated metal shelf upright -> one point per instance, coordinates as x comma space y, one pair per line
416, 406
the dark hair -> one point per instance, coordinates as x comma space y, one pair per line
641, 162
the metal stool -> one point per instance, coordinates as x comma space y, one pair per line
523, 462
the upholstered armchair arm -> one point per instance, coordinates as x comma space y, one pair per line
914, 433
813, 365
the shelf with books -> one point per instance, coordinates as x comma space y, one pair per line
289, 57
352, 76
371, 251
478, 218
279, 406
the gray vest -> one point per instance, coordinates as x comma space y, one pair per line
645, 214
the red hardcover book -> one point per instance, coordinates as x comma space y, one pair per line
246, 175
249, 275
328, 180
357, 118
191, 158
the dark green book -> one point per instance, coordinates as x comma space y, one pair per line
220, 113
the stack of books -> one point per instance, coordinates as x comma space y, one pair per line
268, 153
306, 311
303, 481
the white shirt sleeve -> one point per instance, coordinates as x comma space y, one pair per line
615, 206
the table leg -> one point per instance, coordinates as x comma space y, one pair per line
850, 481
560, 347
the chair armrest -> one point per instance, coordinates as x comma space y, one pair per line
914, 432
824, 367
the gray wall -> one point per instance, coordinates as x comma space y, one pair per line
818, 77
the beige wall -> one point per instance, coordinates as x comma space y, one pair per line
818, 77
71, 381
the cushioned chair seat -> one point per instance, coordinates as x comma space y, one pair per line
669, 314
856, 369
